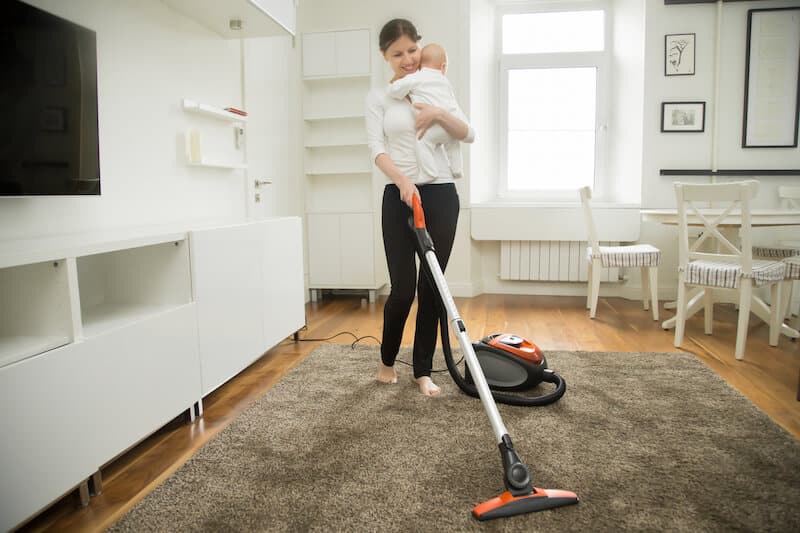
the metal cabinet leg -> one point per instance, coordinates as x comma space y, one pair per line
199, 407
372, 296
96, 484
83, 492
314, 295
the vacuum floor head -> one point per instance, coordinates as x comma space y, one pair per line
509, 505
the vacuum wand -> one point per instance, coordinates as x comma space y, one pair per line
521, 496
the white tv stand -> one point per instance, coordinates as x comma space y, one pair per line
104, 338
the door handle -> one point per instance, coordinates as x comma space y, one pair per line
259, 183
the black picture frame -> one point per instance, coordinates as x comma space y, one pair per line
679, 54
771, 108
683, 117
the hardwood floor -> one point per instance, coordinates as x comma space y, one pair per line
768, 376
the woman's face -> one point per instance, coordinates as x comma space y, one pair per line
403, 56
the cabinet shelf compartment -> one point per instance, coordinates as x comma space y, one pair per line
35, 314
123, 287
335, 132
335, 97
351, 193
363, 77
337, 160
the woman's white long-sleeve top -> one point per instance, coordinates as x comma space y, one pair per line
390, 130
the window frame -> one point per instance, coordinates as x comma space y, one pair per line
600, 60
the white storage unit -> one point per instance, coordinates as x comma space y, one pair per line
341, 194
101, 340
336, 54
248, 285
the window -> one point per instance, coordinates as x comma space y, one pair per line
552, 72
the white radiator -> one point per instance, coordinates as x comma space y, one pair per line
548, 261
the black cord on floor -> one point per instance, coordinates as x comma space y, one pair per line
359, 339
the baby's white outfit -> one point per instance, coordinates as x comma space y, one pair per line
430, 86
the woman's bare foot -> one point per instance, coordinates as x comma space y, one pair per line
427, 387
386, 374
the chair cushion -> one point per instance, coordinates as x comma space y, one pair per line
634, 255
792, 267
727, 275
776, 251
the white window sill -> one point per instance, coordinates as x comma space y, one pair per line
494, 204
539, 221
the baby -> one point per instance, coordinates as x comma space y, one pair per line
430, 86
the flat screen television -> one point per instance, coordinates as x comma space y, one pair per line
49, 142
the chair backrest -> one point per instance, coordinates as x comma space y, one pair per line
736, 196
792, 194
586, 195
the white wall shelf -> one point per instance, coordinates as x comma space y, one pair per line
217, 164
192, 106
204, 136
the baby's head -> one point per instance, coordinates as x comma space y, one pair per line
434, 56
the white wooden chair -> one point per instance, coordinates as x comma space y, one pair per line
782, 250
644, 256
791, 278
731, 267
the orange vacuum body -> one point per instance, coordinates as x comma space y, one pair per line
509, 362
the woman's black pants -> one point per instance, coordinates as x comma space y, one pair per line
441, 206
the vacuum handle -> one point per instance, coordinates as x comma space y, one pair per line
419, 214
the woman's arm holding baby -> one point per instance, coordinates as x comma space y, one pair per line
429, 115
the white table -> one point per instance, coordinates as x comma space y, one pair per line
758, 218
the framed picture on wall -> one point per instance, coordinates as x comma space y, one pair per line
772, 78
683, 116
679, 54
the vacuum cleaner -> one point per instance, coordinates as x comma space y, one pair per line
512, 363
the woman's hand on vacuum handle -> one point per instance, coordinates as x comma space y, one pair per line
407, 191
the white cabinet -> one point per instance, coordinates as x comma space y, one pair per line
104, 340
282, 273
129, 361
45, 426
248, 285
257, 18
342, 252
340, 192
336, 53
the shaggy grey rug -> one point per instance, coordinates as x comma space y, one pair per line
648, 441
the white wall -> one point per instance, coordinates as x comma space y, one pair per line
694, 150
149, 58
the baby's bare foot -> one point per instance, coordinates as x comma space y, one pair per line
386, 374
427, 387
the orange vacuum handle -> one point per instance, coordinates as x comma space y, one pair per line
419, 214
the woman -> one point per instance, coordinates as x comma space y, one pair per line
392, 129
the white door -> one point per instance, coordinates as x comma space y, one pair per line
272, 184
